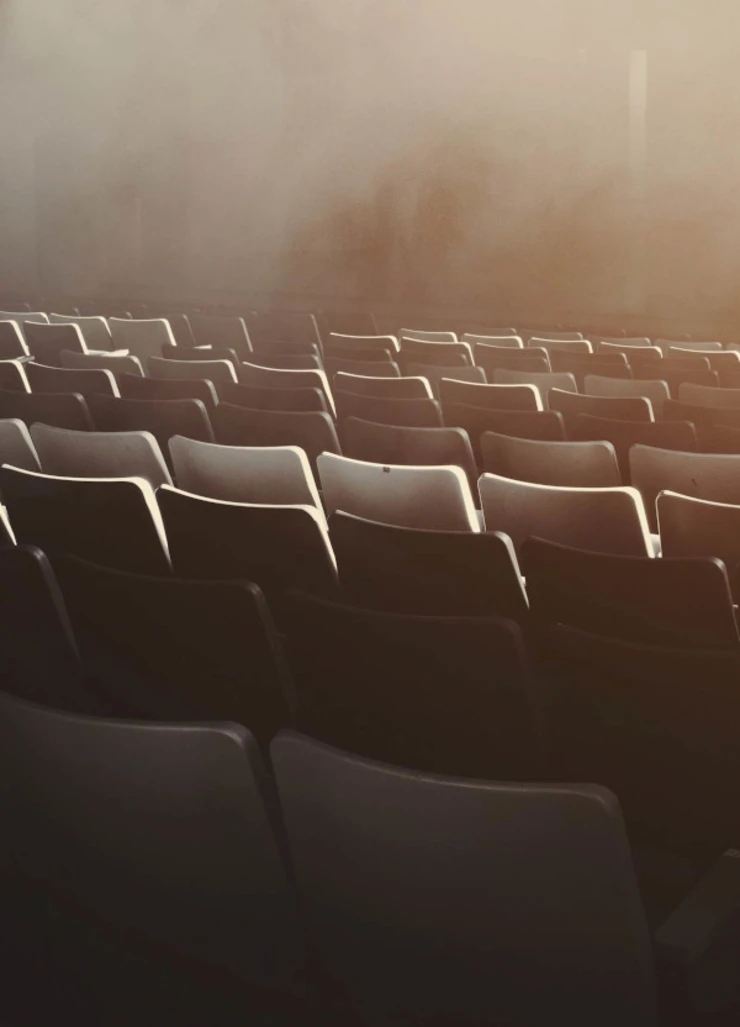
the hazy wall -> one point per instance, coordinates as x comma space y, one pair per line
403, 151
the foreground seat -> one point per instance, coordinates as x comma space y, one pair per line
434, 573
438, 498
578, 464
16, 445
710, 476
83, 454
64, 410
691, 527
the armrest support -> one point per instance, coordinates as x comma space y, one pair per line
690, 929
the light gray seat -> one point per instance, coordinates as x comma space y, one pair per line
580, 346
16, 445
489, 397
531, 333
461, 901
657, 392
143, 338
709, 396
95, 330
275, 475
573, 464
87, 382
164, 829
713, 476
413, 336
409, 387
438, 498
85, 454
366, 341
186, 370
506, 341
434, 374
603, 520
605, 345
117, 364
698, 527
669, 346
543, 380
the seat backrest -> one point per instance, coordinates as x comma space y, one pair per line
38, 652
16, 445
220, 331
276, 475
65, 410
200, 353
673, 410
85, 382
83, 454
603, 520
313, 432
163, 418
545, 336
267, 328
286, 362
718, 439
711, 476
412, 413
256, 398
540, 875
432, 573
679, 602
656, 392
270, 378
421, 352
438, 498
668, 346
95, 330
582, 346
493, 358
545, 382
618, 345
116, 364
277, 547
46, 341
578, 464
339, 321
210, 370
141, 848
111, 521
493, 397
692, 527
435, 374
375, 368
625, 408
706, 396
537, 424
144, 338
391, 444
12, 343
411, 335
623, 435
135, 387
363, 342
512, 341
213, 641
13, 376
382, 387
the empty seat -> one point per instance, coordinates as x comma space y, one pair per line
703, 396
67, 410
675, 379
493, 358
721, 361
13, 377
22, 317
163, 418
277, 547
117, 364
111, 521
390, 685
605, 520
210, 370
668, 346
95, 330
270, 378
718, 439
375, 369
544, 382
163, 830
533, 333
684, 603
655, 391
382, 387
570, 346
704, 475
605, 344
135, 387
268, 328
222, 331
256, 398
625, 408
415, 351
391, 444
577, 464
412, 413
582, 365
623, 435
203, 650
412, 335
352, 322
46, 341
673, 410
438, 498
492, 397
143, 338
511, 341
16, 445
529, 424
85, 382
202, 353
692, 527
381, 343
435, 573
277, 475
435, 374
313, 432
370, 355
281, 362
83, 454
465, 902
12, 343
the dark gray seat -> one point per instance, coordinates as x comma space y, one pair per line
163, 418
621, 408
411, 413
46, 341
526, 424
255, 398
313, 431
680, 435
85, 382
394, 444
12, 343
136, 387
13, 377
63, 410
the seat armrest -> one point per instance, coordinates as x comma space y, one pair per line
698, 920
